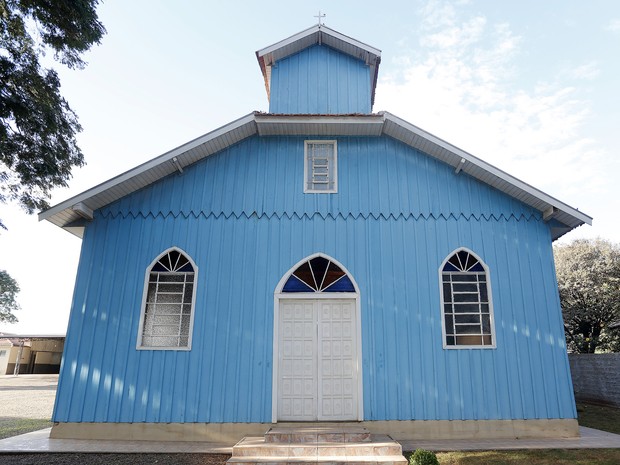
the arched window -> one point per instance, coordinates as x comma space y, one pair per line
168, 307
466, 301
318, 274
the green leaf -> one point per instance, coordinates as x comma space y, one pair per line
38, 147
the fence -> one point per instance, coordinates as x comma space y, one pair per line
596, 377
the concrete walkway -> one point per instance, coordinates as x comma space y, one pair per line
32, 396
39, 441
589, 439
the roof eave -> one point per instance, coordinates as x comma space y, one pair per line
297, 40
485, 172
72, 214
319, 125
67, 216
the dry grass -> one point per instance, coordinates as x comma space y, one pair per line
11, 426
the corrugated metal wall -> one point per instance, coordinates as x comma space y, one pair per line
320, 80
243, 218
377, 177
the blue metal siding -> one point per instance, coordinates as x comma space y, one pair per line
378, 177
112, 381
243, 218
320, 80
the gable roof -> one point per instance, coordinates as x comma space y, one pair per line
74, 213
319, 35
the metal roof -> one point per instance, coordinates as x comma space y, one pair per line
16, 337
321, 35
74, 213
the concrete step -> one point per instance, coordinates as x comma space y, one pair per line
320, 445
317, 434
378, 445
326, 460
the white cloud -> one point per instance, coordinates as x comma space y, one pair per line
456, 36
613, 25
463, 87
587, 71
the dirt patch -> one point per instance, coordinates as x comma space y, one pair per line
27, 396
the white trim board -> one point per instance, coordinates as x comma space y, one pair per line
147, 273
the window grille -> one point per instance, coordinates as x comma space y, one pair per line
320, 169
466, 302
168, 305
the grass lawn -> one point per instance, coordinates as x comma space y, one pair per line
13, 426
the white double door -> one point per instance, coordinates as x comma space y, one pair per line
318, 363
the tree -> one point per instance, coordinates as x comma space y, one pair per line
8, 291
38, 147
588, 274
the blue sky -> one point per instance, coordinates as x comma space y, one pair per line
531, 87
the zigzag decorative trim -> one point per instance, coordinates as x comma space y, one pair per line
305, 216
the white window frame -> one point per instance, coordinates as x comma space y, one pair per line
333, 171
139, 345
493, 345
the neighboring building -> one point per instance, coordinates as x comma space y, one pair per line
315, 263
10, 352
36, 354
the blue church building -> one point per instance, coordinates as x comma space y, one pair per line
317, 263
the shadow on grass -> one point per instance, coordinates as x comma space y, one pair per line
532, 457
599, 417
48, 387
12, 426
113, 459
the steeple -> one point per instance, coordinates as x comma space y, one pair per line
320, 71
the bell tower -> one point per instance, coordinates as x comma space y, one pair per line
320, 71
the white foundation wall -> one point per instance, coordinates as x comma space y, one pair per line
228, 434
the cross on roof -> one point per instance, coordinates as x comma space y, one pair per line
320, 16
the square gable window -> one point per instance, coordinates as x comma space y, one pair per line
320, 166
